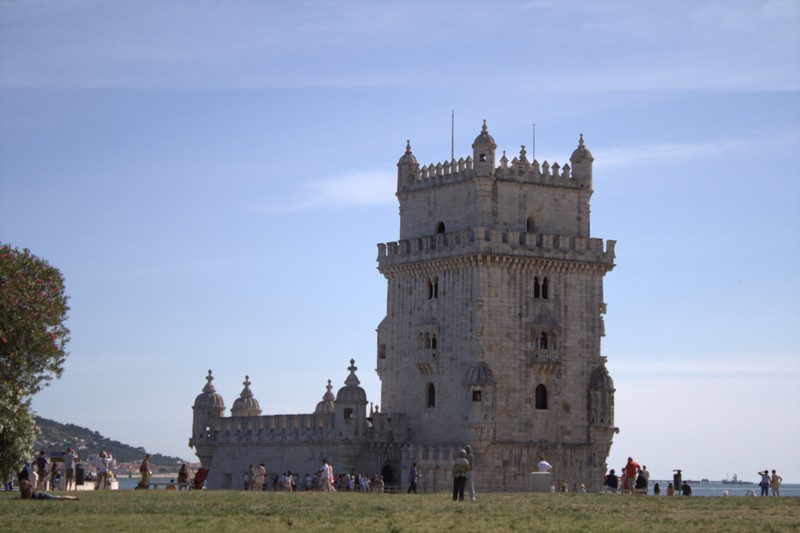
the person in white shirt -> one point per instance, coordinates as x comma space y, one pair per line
543, 465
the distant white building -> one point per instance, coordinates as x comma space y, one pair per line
491, 338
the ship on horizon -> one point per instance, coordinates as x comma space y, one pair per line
736, 481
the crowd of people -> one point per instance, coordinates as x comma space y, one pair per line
44, 474
257, 478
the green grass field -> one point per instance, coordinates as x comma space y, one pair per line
353, 512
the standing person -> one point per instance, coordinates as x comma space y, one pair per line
144, 472
470, 472
775, 483
657, 489
325, 476
631, 468
670, 490
764, 483
250, 480
460, 469
103, 466
183, 477
686, 490
413, 475
41, 470
261, 473
69, 468
544, 466
646, 473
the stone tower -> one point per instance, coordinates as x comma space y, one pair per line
494, 317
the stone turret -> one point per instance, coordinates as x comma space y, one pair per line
327, 405
208, 408
483, 152
351, 406
582, 160
407, 169
246, 404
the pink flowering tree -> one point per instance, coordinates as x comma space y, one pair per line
33, 339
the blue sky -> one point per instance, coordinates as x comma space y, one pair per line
213, 177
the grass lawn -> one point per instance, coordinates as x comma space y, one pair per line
353, 512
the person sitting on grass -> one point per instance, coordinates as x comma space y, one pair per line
26, 492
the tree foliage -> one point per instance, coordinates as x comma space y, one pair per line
33, 336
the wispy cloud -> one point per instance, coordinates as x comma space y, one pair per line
624, 156
358, 188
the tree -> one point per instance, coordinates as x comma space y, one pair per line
33, 339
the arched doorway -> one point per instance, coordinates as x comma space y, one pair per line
391, 473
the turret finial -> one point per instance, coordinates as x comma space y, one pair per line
408, 146
484, 129
209, 386
580, 141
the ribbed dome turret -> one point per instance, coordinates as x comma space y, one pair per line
408, 157
209, 398
581, 154
245, 404
327, 403
483, 152
601, 379
479, 374
484, 139
351, 392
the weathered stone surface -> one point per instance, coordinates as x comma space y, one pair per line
491, 337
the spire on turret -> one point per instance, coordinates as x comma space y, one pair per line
407, 168
483, 151
246, 404
581, 160
327, 403
352, 380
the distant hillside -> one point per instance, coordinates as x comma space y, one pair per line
56, 437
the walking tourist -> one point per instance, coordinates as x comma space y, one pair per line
325, 476
183, 477
630, 470
144, 472
261, 474
41, 470
413, 475
103, 466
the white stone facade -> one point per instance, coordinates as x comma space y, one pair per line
491, 338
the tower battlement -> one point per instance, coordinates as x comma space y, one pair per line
520, 170
480, 240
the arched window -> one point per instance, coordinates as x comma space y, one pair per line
435, 287
541, 397
540, 288
431, 396
430, 289
440, 227
433, 342
530, 226
543, 341
382, 351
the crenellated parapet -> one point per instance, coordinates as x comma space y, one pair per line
413, 177
496, 241
273, 429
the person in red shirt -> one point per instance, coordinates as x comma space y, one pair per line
630, 475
